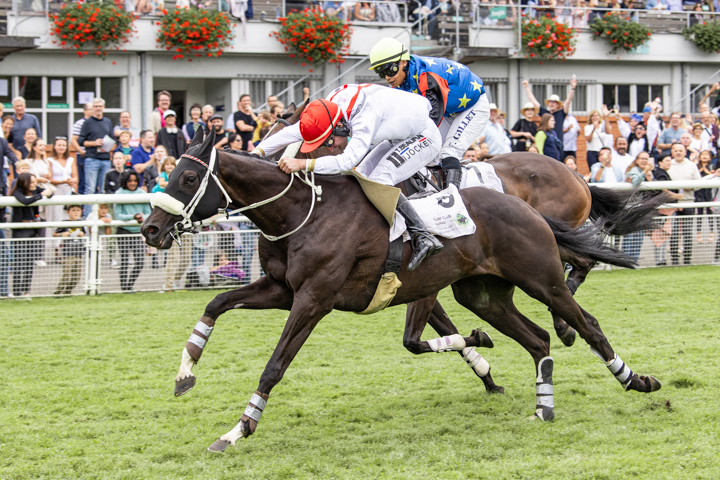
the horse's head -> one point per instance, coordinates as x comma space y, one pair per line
192, 194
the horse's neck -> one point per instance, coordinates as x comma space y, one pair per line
249, 181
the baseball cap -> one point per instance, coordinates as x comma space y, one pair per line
169, 113
213, 117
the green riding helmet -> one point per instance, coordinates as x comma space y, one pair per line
387, 50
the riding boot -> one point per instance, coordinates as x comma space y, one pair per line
453, 172
424, 243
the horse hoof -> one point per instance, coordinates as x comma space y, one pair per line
185, 385
496, 389
567, 337
652, 384
219, 446
483, 339
546, 414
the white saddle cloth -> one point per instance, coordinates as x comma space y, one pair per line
481, 174
444, 214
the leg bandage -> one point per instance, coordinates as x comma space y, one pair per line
476, 361
454, 342
617, 367
545, 404
201, 334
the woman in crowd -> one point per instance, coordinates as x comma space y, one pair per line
194, 124
152, 171
27, 192
29, 136
364, 11
640, 170
697, 144
661, 236
525, 129
638, 142
571, 163
39, 164
705, 195
64, 177
595, 132
8, 123
546, 139
133, 243
234, 142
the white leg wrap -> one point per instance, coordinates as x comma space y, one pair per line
617, 367
203, 329
450, 343
197, 340
186, 365
476, 361
544, 390
235, 434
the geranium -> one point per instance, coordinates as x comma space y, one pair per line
92, 25
620, 33
545, 38
314, 37
705, 36
194, 33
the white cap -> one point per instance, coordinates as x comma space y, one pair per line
168, 113
493, 106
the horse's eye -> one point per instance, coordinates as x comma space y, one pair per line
190, 179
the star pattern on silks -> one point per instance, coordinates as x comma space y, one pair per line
460, 67
430, 62
463, 101
414, 90
476, 85
449, 69
416, 78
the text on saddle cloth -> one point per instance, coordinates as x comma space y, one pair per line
443, 213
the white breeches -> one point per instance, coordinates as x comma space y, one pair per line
393, 161
460, 131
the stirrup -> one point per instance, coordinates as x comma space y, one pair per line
454, 177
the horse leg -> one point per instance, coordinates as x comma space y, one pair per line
262, 294
490, 298
440, 322
310, 305
579, 272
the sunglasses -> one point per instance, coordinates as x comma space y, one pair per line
387, 69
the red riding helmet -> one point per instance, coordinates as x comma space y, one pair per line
317, 122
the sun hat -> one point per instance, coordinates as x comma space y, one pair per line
317, 122
553, 98
493, 106
529, 105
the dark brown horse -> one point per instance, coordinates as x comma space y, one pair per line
336, 258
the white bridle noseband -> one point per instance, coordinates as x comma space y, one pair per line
174, 206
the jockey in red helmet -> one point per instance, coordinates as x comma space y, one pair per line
356, 117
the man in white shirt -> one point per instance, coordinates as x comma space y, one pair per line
571, 130
681, 170
620, 158
604, 171
494, 134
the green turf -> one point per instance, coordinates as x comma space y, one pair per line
86, 392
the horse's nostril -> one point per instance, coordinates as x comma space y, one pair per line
151, 229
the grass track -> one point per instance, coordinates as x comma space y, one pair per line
86, 392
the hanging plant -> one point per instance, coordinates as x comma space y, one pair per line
620, 33
101, 26
705, 36
314, 37
190, 32
546, 39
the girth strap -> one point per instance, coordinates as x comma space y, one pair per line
394, 259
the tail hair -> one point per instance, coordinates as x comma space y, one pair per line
622, 212
588, 241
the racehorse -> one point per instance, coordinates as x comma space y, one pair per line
329, 261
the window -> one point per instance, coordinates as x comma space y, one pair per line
579, 103
5, 98
257, 92
298, 94
31, 90
630, 98
277, 87
647, 93
697, 96
110, 92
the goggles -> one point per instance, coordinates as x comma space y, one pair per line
387, 69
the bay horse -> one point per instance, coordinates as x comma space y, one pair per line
329, 261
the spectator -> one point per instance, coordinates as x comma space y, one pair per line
604, 171
64, 177
225, 272
596, 136
5, 152
387, 13
277, 110
334, 9
627, 128
171, 137
271, 100
178, 259
638, 141
245, 120
571, 162
697, 143
705, 195
157, 119
124, 145
162, 180
670, 135
546, 139
652, 125
364, 12
685, 141
710, 133
661, 235
639, 170
469, 156
207, 112
554, 107
25, 191
234, 142
92, 136
533, 149
194, 124
73, 249
142, 156
620, 157
152, 171
112, 177
525, 129
494, 134
7, 125
39, 165
29, 137
23, 121
103, 214
265, 118
483, 152
682, 170
133, 243
79, 149
714, 88
125, 126
674, 5
216, 123
571, 130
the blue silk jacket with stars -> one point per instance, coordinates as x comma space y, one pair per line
450, 86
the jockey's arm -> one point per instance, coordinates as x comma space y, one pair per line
435, 89
280, 140
355, 151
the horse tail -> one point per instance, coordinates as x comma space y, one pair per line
578, 245
624, 211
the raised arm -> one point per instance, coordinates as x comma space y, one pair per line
529, 94
571, 95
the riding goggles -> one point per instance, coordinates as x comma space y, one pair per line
387, 69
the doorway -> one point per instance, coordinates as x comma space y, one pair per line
177, 104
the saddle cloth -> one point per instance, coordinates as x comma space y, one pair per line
443, 213
481, 174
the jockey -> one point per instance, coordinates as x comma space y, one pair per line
460, 107
349, 121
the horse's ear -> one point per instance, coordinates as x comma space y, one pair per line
197, 139
289, 111
207, 145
